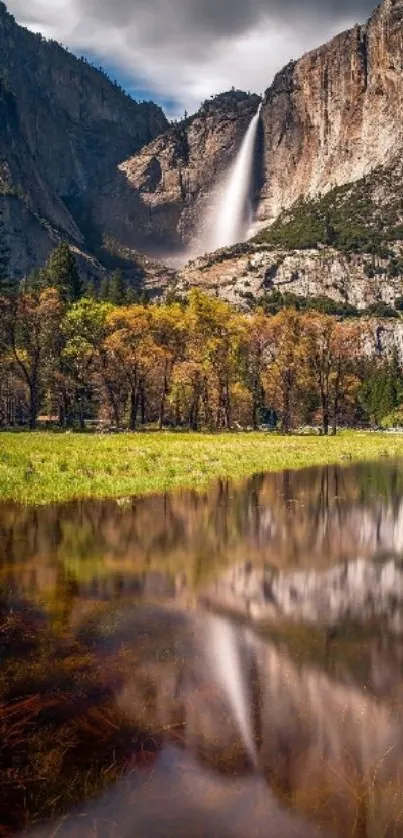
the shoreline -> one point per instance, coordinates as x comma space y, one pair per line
44, 468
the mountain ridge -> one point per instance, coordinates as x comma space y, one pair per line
65, 127
79, 159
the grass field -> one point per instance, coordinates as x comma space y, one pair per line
40, 468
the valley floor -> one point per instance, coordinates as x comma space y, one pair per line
41, 468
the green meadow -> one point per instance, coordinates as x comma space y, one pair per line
40, 468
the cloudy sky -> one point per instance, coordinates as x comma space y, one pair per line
179, 52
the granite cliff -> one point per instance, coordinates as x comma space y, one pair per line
176, 177
80, 159
64, 129
329, 119
336, 114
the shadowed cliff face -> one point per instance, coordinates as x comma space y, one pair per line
64, 129
328, 119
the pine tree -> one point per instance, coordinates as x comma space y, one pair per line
104, 291
90, 289
117, 289
62, 273
35, 281
382, 392
5, 285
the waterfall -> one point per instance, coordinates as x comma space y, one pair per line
223, 650
232, 221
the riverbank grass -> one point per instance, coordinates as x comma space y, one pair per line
39, 468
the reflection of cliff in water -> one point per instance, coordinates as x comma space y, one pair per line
329, 755
308, 519
355, 592
117, 710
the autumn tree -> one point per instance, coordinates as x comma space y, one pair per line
286, 376
345, 382
216, 334
30, 323
87, 360
130, 345
332, 345
169, 333
259, 346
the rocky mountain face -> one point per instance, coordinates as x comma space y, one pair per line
64, 129
243, 276
79, 158
336, 114
328, 119
177, 177
345, 246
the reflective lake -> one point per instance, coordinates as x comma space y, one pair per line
222, 664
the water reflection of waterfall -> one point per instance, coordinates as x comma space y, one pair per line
330, 750
329, 747
223, 650
234, 215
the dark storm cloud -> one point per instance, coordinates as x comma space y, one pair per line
189, 49
221, 17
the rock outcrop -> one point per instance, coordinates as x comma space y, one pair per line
244, 275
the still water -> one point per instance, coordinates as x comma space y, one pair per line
226, 664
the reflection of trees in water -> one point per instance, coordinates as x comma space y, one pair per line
297, 519
75, 690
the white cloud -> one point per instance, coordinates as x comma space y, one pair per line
187, 50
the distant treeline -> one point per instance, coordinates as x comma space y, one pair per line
76, 355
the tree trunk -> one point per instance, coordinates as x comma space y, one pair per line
206, 404
255, 409
336, 401
143, 404
227, 407
335, 415
3, 410
134, 404
194, 412
324, 400
62, 412
33, 407
163, 400
286, 409
178, 417
81, 414
325, 416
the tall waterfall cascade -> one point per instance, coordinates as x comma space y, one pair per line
234, 213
